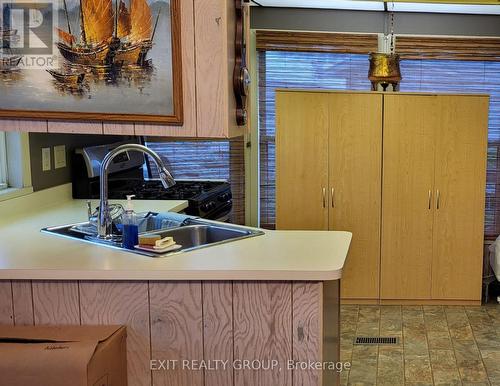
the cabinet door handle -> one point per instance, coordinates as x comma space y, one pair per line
333, 197
430, 198
324, 197
438, 196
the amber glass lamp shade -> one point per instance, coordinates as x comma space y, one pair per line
384, 70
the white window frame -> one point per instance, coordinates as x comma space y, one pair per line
15, 168
3, 163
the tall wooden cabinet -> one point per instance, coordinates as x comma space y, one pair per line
329, 175
404, 172
433, 189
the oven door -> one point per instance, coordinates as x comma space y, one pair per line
222, 213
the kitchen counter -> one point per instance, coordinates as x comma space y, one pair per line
252, 299
26, 253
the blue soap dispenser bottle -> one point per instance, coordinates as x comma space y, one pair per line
130, 227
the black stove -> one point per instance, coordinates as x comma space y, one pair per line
207, 199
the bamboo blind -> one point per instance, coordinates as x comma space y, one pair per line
206, 160
448, 48
316, 42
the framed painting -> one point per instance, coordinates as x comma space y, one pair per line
104, 60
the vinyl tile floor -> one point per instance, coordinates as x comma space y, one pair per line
438, 345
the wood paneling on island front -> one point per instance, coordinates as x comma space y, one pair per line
22, 303
190, 322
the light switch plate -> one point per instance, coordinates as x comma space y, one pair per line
59, 157
46, 159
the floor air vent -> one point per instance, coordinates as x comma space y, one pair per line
376, 340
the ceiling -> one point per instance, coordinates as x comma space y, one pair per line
397, 6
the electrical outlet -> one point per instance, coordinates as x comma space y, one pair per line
59, 157
46, 162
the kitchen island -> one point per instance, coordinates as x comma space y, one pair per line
259, 311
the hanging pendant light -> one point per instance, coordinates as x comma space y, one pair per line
384, 66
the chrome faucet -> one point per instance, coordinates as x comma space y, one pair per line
104, 222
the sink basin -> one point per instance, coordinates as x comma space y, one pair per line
193, 233
198, 235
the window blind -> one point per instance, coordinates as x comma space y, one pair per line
448, 48
201, 159
316, 42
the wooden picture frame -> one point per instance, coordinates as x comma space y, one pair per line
175, 118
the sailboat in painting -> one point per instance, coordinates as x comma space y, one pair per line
96, 32
109, 36
135, 32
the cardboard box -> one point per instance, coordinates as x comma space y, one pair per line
62, 356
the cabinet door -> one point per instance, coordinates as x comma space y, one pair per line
355, 187
301, 160
410, 122
459, 214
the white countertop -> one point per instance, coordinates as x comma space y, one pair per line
26, 253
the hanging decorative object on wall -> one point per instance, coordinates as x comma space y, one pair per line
91, 59
384, 66
241, 76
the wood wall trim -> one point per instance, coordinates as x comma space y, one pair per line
210, 18
448, 48
25, 125
316, 42
120, 128
72, 127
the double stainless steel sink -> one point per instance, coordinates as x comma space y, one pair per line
193, 233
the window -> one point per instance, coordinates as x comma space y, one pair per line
208, 160
428, 65
3, 162
15, 171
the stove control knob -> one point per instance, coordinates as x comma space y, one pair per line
225, 197
208, 206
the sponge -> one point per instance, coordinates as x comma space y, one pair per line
149, 239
